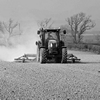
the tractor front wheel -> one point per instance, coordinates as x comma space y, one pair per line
43, 55
64, 55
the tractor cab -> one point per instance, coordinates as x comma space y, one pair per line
51, 38
47, 35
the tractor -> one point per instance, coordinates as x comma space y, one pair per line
50, 46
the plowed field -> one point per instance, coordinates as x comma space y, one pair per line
34, 81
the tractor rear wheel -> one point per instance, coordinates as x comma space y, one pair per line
43, 55
38, 54
64, 55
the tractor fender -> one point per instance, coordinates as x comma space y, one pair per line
64, 47
42, 47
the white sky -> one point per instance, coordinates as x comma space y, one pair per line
29, 10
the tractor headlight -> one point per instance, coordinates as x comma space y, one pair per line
51, 45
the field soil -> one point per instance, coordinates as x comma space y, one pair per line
34, 81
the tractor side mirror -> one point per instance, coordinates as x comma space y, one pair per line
64, 31
36, 43
38, 32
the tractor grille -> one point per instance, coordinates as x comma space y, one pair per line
52, 44
52, 47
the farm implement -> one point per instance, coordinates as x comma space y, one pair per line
26, 58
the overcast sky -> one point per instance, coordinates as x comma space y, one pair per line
29, 10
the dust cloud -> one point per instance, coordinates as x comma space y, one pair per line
22, 44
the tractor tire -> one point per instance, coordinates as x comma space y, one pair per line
43, 55
38, 54
73, 60
57, 60
23, 60
64, 55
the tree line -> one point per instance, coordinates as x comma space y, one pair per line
77, 25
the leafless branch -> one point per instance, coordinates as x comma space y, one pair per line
79, 23
45, 23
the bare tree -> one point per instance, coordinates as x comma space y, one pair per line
46, 23
20, 30
10, 27
1, 27
78, 24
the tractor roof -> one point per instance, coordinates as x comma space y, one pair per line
53, 30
